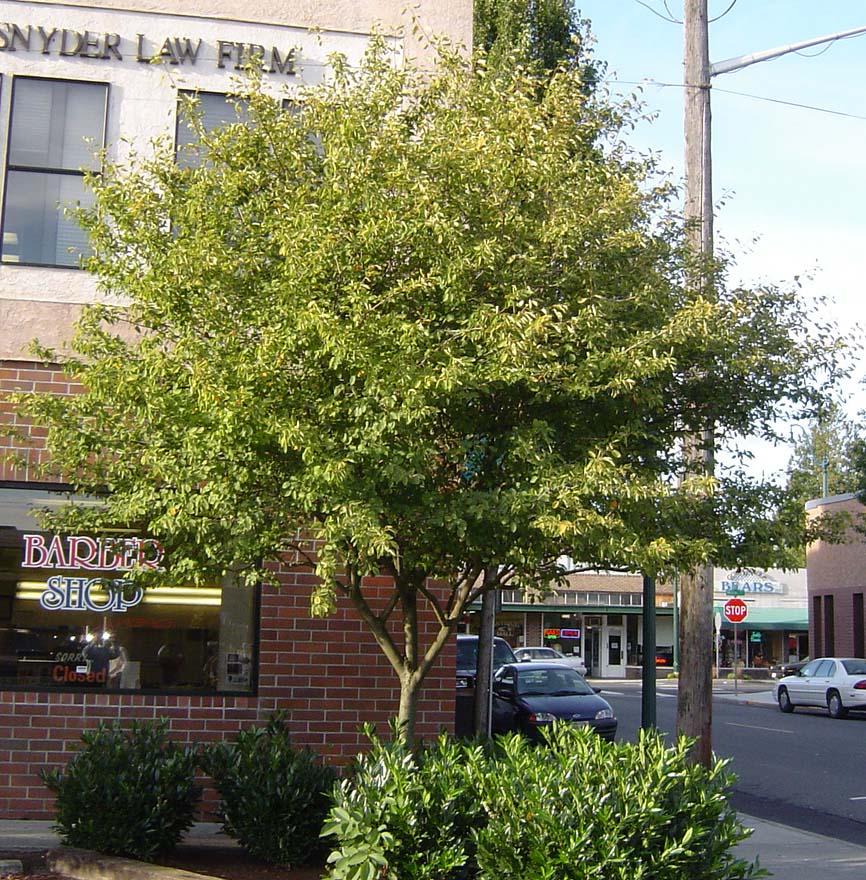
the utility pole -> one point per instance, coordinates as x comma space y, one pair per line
695, 694
695, 682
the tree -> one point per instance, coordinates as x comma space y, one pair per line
413, 328
539, 35
825, 452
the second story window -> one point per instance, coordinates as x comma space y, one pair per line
55, 128
213, 111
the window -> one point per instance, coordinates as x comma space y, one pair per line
829, 625
859, 636
55, 127
70, 618
214, 111
826, 669
817, 623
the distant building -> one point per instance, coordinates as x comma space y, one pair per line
837, 585
776, 628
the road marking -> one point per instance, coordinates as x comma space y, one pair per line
755, 727
861, 798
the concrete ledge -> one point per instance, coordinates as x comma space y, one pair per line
83, 864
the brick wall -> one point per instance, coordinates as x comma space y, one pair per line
26, 376
329, 675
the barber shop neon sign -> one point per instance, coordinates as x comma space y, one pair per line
99, 594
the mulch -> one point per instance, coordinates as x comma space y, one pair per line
229, 863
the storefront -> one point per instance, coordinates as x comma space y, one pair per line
776, 626
70, 616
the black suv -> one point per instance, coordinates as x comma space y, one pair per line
467, 658
467, 665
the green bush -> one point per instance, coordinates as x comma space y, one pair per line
407, 815
127, 793
274, 798
580, 808
587, 808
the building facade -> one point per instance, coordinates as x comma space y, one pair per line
776, 627
597, 615
837, 585
76, 76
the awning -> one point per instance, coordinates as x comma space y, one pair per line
772, 619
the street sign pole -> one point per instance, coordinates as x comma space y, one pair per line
736, 650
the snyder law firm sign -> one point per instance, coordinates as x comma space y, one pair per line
171, 49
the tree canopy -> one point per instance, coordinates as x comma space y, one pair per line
428, 323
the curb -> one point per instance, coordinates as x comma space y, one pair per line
83, 864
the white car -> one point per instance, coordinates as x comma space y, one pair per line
575, 661
839, 683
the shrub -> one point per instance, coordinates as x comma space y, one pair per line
127, 793
274, 798
587, 808
577, 809
406, 815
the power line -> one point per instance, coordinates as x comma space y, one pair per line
668, 18
720, 17
666, 85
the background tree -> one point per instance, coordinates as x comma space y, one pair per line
414, 328
538, 35
826, 449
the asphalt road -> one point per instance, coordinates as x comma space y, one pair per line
805, 769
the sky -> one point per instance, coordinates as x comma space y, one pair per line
789, 182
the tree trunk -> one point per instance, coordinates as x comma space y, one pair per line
407, 713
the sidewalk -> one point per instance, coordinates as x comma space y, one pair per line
788, 853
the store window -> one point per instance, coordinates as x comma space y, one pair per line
71, 618
55, 129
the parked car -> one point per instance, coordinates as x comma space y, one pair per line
575, 661
467, 657
530, 695
467, 665
839, 683
780, 670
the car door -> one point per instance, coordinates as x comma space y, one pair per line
504, 707
815, 683
800, 686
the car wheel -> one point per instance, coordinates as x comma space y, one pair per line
785, 704
834, 705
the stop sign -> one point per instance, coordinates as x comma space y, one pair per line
736, 610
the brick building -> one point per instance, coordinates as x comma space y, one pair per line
837, 585
215, 659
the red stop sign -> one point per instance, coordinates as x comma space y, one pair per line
736, 610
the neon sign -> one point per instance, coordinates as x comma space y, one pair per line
91, 554
77, 594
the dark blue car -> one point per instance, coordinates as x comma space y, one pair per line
527, 697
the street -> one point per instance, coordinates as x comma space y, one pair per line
805, 769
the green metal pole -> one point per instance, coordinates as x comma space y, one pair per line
648, 689
676, 623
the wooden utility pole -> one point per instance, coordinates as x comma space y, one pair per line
695, 683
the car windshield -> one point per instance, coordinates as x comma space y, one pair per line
855, 667
551, 682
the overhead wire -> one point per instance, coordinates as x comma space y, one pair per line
652, 82
720, 17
